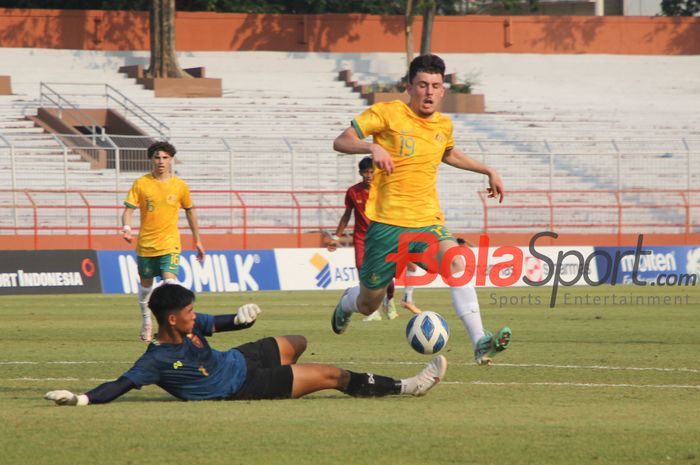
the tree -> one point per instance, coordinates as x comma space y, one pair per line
164, 62
680, 7
429, 9
408, 20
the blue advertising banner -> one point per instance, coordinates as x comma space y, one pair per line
677, 265
221, 271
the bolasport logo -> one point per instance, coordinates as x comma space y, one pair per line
636, 266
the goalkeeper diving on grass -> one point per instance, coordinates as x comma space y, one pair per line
180, 361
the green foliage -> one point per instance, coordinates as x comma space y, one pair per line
465, 88
680, 7
399, 86
388, 7
77, 4
548, 400
503, 7
466, 84
231, 6
376, 7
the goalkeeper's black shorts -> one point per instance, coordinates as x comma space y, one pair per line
266, 378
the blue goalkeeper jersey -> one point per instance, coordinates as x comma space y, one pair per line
191, 370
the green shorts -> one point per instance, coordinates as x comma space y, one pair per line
150, 267
382, 240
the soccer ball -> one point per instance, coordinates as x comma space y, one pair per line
427, 332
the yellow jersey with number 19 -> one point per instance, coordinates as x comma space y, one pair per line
408, 197
159, 203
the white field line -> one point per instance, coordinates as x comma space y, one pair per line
473, 383
101, 380
534, 365
64, 362
583, 385
596, 367
497, 365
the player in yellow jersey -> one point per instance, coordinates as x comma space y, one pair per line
158, 195
409, 143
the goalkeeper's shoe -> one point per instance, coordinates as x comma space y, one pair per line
374, 316
489, 345
340, 319
389, 308
432, 374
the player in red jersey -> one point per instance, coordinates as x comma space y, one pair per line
355, 201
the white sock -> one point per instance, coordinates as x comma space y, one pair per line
144, 294
408, 294
408, 290
466, 305
171, 281
349, 301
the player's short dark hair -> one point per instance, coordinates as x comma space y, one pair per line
167, 299
161, 146
365, 163
431, 64
461, 241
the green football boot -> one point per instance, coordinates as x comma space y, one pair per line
340, 319
490, 345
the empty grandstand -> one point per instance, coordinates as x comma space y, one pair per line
606, 132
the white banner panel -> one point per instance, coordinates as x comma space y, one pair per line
313, 269
570, 261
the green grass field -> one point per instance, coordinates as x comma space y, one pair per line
599, 384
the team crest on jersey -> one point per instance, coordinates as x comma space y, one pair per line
441, 232
172, 199
196, 340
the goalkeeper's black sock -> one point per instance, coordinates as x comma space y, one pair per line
371, 385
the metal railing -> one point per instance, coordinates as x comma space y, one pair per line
297, 163
129, 107
52, 96
108, 94
86, 214
617, 211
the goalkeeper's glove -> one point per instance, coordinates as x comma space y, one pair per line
246, 314
66, 398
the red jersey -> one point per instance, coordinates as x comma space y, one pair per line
356, 198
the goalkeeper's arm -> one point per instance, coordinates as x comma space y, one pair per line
102, 394
244, 318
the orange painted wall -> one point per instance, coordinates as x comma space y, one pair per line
119, 30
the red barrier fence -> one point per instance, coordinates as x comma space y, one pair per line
621, 211
91, 213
